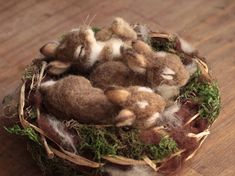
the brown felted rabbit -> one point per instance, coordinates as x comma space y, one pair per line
141, 107
115, 73
81, 46
164, 71
73, 97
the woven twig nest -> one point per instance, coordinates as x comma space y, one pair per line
121, 100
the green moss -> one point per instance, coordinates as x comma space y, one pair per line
206, 94
96, 142
100, 141
29, 72
162, 44
95, 29
166, 147
28, 132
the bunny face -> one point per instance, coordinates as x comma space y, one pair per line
73, 97
141, 106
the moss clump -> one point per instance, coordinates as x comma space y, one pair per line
166, 147
95, 29
205, 94
28, 132
161, 44
29, 72
96, 142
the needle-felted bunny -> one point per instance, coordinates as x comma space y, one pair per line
115, 73
164, 71
141, 107
82, 47
73, 97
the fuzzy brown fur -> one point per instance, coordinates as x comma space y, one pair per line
141, 58
104, 34
68, 46
74, 98
150, 136
184, 142
115, 73
143, 104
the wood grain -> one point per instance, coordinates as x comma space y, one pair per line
209, 25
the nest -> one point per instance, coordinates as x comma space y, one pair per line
104, 147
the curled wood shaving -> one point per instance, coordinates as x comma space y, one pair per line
172, 156
195, 151
23, 122
123, 160
150, 163
199, 135
203, 64
74, 160
192, 119
50, 154
44, 64
83, 161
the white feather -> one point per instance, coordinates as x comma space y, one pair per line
169, 117
67, 139
191, 68
186, 47
142, 170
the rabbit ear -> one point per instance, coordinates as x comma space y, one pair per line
58, 67
136, 62
125, 118
117, 95
49, 49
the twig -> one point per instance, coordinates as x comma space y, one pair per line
150, 163
50, 154
199, 135
192, 119
123, 160
190, 156
73, 160
21, 107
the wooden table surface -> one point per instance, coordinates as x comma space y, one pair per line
208, 24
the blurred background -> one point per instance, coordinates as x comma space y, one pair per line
25, 25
